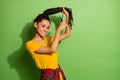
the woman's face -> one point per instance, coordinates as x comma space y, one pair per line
42, 27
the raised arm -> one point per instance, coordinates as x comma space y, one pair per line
68, 28
58, 37
54, 45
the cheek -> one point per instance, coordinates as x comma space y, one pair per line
48, 30
39, 28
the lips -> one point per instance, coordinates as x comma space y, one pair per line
44, 33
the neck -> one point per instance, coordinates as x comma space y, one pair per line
37, 36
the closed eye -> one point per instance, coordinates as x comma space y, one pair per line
43, 26
48, 27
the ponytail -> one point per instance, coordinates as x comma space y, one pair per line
50, 11
60, 9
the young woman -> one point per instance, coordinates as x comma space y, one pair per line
43, 49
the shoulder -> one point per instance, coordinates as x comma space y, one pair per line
28, 43
31, 43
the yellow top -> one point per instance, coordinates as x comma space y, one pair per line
43, 61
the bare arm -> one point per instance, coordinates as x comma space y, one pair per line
54, 45
68, 28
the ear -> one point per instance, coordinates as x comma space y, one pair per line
35, 25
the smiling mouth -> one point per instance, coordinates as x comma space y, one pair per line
44, 33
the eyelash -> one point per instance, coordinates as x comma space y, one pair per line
47, 28
43, 26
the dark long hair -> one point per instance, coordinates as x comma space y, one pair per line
50, 11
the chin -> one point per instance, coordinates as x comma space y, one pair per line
43, 35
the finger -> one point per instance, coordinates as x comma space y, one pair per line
64, 11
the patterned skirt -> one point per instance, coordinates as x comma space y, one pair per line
52, 74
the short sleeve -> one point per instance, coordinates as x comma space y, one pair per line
49, 40
32, 46
52, 38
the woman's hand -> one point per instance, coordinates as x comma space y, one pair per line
65, 12
62, 25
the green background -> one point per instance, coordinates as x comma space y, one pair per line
91, 53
